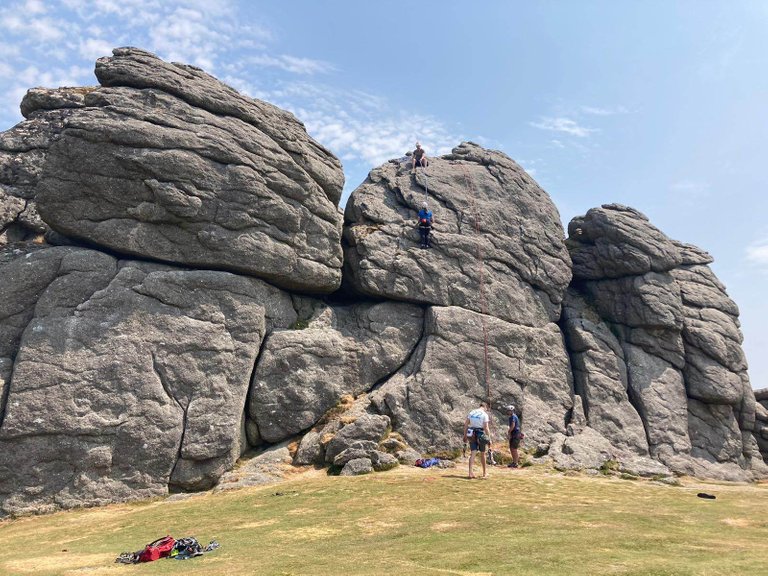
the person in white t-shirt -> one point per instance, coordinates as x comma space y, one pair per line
478, 433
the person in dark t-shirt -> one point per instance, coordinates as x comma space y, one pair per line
419, 157
515, 434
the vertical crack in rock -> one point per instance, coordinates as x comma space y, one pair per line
253, 435
412, 361
158, 369
6, 370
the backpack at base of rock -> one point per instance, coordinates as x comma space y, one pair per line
167, 547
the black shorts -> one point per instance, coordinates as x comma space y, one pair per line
419, 163
514, 443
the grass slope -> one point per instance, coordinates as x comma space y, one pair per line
426, 522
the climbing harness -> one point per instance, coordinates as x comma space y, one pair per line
483, 308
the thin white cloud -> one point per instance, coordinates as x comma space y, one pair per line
757, 253
689, 191
600, 111
53, 44
93, 48
291, 64
689, 186
564, 126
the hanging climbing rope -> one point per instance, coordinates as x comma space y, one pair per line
483, 308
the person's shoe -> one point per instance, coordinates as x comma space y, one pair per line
513, 465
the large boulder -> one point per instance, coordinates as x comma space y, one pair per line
616, 241
128, 378
341, 350
600, 376
428, 400
498, 243
648, 322
23, 150
165, 162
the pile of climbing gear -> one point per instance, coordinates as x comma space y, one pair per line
427, 462
167, 547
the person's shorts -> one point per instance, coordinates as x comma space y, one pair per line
477, 443
419, 163
514, 443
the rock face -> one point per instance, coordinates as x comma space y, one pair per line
129, 377
492, 221
23, 150
430, 397
495, 279
166, 162
654, 335
197, 324
301, 374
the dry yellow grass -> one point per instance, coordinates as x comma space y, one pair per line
409, 520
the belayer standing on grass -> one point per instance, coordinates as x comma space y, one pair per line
425, 224
515, 434
419, 158
478, 433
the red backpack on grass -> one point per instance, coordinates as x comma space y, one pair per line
160, 548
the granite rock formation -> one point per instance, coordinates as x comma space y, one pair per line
178, 290
341, 350
492, 222
165, 162
649, 324
128, 377
23, 150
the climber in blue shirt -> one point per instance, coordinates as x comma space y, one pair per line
425, 224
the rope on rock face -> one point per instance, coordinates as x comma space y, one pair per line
483, 308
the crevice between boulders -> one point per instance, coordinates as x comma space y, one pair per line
253, 439
158, 370
412, 360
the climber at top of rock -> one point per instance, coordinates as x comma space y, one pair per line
419, 157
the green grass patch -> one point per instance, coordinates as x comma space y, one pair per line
409, 520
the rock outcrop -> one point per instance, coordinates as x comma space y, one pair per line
165, 162
342, 350
663, 341
128, 377
494, 227
23, 150
174, 297
430, 397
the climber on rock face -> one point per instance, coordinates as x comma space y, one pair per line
425, 224
419, 157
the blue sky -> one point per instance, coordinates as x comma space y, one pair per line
658, 105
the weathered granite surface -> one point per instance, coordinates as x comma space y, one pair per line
128, 378
341, 350
652, 315
165, 162
204, 320
492, 221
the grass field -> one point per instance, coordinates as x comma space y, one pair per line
413, 521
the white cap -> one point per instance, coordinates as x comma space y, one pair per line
424, 204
